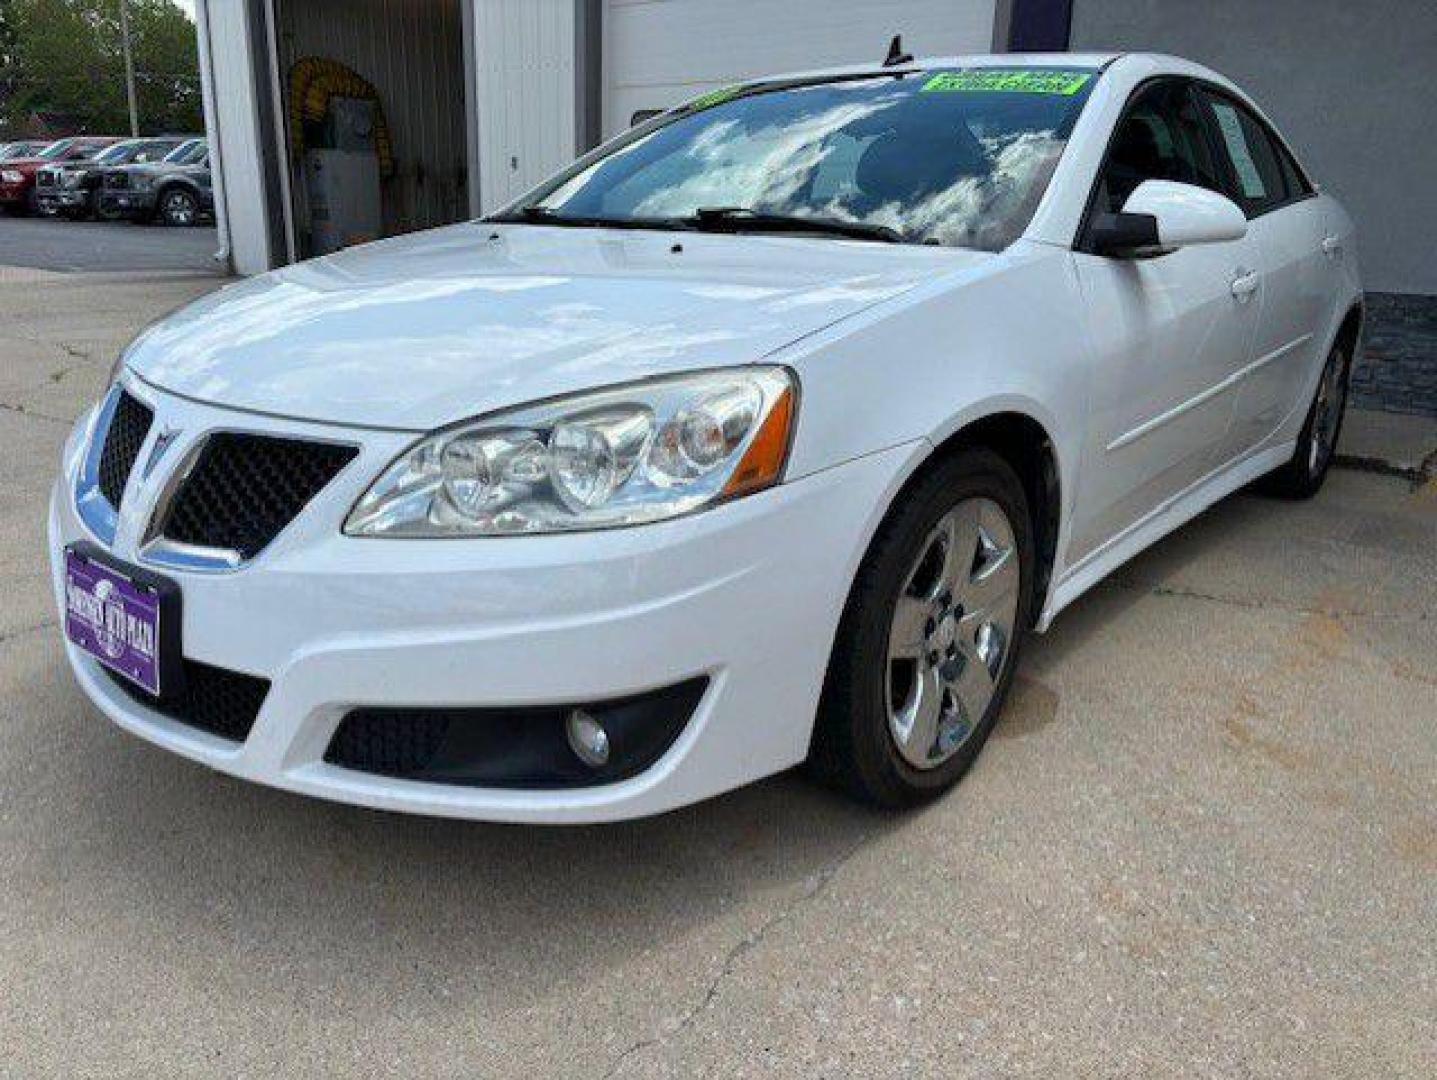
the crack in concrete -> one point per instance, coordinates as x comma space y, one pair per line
11, 635
1415, 476
1268, 603
21, 410
813, 887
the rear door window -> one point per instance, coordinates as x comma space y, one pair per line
1259, 182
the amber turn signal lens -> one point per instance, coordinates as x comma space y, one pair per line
764, 459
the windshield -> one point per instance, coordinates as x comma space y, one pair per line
957, 157
55, 149
186, 153
120, 152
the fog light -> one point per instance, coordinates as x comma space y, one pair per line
588, 739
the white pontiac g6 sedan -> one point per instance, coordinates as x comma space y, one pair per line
762, 434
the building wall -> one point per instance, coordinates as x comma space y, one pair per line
660, 53
525, 93
1348, 84
230, 101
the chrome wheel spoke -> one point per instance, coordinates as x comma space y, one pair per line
907, 636
991, 587
918, 729
1331, 397
960, 531
973, 686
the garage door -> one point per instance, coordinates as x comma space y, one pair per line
659, 53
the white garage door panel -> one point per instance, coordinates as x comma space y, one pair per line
659, 53
524, 71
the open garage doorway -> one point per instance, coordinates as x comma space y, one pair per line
373, 118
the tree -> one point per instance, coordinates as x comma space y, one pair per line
65, 58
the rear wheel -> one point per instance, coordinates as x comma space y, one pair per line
178, 208
930, 636
1302, 476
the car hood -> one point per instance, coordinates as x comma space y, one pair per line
421, 331
154, 167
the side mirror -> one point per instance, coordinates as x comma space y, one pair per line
1161, 216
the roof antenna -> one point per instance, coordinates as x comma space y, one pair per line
896, 55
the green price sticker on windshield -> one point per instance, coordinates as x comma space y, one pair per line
713, 97
1009, 81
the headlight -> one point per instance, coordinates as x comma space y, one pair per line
605, 459
141, 182
10, 176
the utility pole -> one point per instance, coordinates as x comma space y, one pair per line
129, 69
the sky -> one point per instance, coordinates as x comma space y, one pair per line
187, 6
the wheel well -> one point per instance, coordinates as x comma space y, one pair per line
170, 186
1350, 332
1025, 445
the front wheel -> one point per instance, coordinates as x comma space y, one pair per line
1302, 476
178, 208
930, 636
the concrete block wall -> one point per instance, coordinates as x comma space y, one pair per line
1396, 367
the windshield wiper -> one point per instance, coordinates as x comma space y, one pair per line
547, 215
735, 218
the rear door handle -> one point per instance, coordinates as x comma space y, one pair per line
1331, 246
1245, 284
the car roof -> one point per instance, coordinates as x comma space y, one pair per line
1138, 65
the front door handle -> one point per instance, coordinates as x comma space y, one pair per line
1331, 246
1245, 284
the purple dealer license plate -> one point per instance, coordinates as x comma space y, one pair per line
113, 618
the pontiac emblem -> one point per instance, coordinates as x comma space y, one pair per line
163, 441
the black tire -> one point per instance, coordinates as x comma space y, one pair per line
1303, 474
177, 207
852, 746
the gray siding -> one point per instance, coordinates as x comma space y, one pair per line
1349, 83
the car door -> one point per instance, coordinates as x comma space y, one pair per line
1293, 256
1168, 334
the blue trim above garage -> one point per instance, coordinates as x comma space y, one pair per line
1039, 25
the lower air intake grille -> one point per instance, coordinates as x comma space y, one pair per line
516, 747
245, 489
216, 700
129, 425
390, 742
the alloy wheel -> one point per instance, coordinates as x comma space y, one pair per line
1331, 398
952, 629
179, 208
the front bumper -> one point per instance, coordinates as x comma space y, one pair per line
748, 595
132, 202
54, 200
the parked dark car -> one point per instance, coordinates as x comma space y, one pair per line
22, 148
68, 188
17, 176
175, 191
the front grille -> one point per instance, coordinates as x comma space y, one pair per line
117, 180
245, 489
216, 700
129, 425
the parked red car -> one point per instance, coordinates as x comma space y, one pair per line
17, 177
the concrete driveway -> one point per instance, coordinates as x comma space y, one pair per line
1203, 842
120, 247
